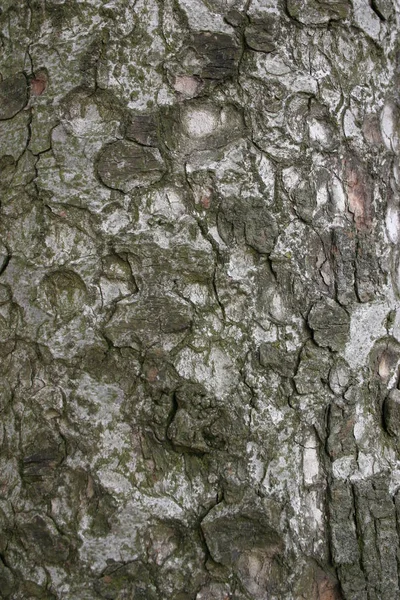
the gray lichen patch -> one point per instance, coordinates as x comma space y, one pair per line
233, 532
65, 293
162, 319
313, 12
213, 56
44, 119
330, 324
13, 95
200, 424
248, 221
142, 129
124, 165
43, 539
243, 538
14, 135
260, 36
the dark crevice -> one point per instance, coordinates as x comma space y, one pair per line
376, 10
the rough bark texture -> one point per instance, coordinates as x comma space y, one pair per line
199, 300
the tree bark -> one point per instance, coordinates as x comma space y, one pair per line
199, 299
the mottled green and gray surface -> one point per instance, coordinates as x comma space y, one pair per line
199, 299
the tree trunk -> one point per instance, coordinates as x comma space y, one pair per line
199, 300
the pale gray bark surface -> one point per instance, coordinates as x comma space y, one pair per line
199, 300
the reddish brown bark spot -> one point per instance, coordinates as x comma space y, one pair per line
187, 85
205, 202
38, 84
90, 487
387, 361
203, 197
328, 590
371, 129
359, 193
327, 587
152, 374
